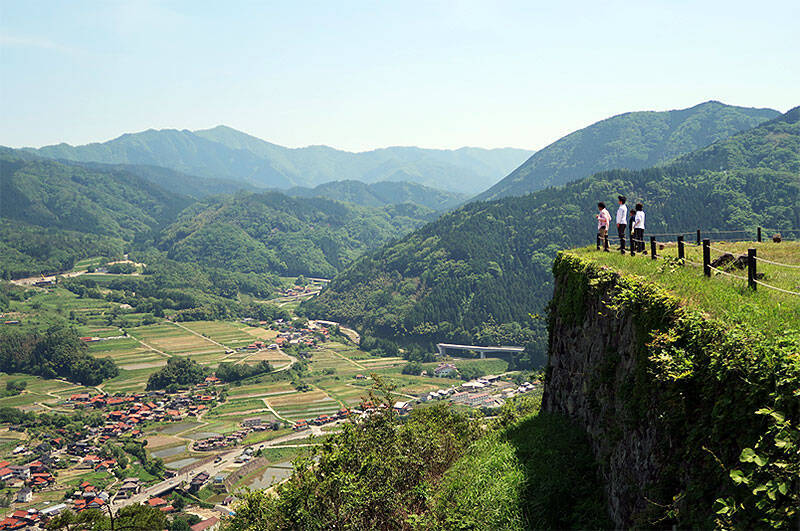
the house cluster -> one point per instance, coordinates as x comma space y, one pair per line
88, 497
295, 291
220, 442
486, 392
36, 475
161, 504
304, 424
126, 414
443, 370
31, 518
287, 335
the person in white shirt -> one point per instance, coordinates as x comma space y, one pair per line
603, 221
622, 222
638, 229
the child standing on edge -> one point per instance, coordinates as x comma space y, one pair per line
603, 221
638, 228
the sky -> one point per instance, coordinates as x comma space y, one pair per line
361, 75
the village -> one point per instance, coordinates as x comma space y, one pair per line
188, 451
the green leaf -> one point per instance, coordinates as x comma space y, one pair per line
783, 488
738, 477
747, 455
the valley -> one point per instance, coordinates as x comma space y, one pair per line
248, 430
223, 352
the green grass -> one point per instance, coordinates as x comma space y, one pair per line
721, 296
538, 473
267, 435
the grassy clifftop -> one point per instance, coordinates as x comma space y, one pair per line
688, 387
721, 296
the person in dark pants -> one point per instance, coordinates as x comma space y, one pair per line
638, 228
622, 222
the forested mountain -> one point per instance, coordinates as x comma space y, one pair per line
69, 196
482, 273
224, 153
182, 183
382, 193
633, 140
53, 214
271, 232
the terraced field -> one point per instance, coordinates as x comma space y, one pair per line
232, 335
174, 341
128, 353
39, 394
304, 405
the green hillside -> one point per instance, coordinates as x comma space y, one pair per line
227, 154
482, 273
632, 140
72, 197
54, 214
271, 232
183, 183
382, 193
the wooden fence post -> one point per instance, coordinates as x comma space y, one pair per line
681, 254
751, 269
698, 236
759, 234
707, 257
653, 247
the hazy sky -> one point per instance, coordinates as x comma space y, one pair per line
359, 75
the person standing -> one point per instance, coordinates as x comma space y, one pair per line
638, 228
603, 221
622, 222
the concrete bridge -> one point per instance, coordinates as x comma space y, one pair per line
443, 347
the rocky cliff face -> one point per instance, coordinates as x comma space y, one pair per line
590, 366
667, 396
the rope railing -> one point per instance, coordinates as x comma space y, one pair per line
792, 266
636, 246
727, 273
776, 288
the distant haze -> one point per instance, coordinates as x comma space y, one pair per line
225, 153
361, 75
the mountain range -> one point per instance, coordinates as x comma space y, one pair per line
633, 140
55, 213
125, 192
227, 154
482, 273
382, 193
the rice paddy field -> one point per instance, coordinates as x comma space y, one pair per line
138, 349
39, 394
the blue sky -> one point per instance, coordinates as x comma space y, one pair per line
359, 75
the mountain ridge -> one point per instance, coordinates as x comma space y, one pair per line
482, 273
224, 153
633, 140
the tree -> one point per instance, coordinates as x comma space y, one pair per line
129, 518
178, 371
373, 475
413, 367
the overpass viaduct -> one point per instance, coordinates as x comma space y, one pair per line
444, 347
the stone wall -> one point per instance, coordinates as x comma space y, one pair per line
668, 397
589, 363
